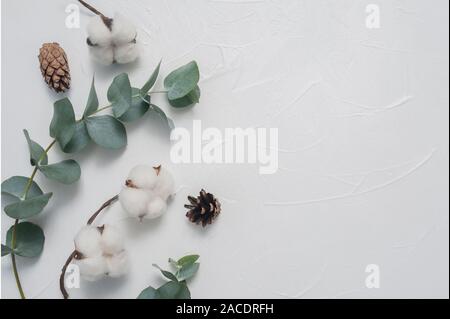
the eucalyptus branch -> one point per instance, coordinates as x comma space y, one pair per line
108, 131
74, 254
16, 222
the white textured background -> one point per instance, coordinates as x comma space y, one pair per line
363, 123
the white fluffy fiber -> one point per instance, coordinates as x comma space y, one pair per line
147, 192
115, 45
117, 265
92, 268
87, 241
102, 253
143, 176
111, 241
123, 31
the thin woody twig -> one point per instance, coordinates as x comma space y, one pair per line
63, 273
94, 10
105, 204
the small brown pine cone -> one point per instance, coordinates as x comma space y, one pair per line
54, 66
203, 209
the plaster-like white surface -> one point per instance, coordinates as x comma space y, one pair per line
363, 124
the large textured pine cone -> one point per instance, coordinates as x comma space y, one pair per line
203, 209
54, 66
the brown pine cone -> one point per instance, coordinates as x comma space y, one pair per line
203, 209
54, 66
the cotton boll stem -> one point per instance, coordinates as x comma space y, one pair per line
88, 6
105, 204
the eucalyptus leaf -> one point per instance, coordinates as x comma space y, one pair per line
28, 207
186, 260
187, 271
36, 151
166, 273
149, 293
174, 290
182, 81
92, 102
151, 81
29, 239
119, 94
66, 172
160, 113
79, 140
139, 106
6, 250
106, 131
15, 186
191, 98
63, 122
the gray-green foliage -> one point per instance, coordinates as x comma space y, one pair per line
128, 104
29, 240
182, 87
184, 269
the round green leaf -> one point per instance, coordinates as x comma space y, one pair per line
149, 293
174, 290
6, 250
186, 260
15, 186
92, 102
151, 81
62, 126
29, 239
187, 271
106, 131
119, 94
28, 207
66, 172
191, 98
139, 106
160, 113
182, 80
79, 140
36, 151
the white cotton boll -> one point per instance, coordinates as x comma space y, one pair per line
87, 241
126, 53
134, 201
98, 32
156, 207
123, 31
117, 265
112, 241
165, 184
143, 176
92, 268
104, 55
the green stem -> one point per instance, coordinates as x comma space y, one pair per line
16, 222
102, 109
109, 106
162, 92
13, 260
